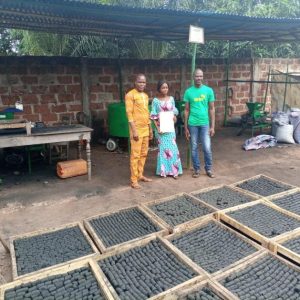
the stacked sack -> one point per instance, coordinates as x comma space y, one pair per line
286, 126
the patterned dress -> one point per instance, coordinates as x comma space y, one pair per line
168, 158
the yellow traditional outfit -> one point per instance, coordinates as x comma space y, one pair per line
138, 112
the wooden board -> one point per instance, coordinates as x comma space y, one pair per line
100, 244
169, 247
202, 224
213, 285
40, 232
276, 246
261, 239
62, 269
182, 226
233, 188
235, 185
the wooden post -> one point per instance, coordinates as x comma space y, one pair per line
85, 92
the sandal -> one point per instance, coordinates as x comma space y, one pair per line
145, 179
135, 185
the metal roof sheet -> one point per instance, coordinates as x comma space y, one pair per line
90, 18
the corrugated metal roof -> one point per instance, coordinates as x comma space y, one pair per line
90, 18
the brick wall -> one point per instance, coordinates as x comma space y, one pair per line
51, 87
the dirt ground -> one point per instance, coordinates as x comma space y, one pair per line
32, 202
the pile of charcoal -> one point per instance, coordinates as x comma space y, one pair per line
78, 284
293, 245
180, 210
143, 272
289, 202
213, 247
265, 220
223, 197
268, 278
123, 226
48, 249
264, 186
204, 294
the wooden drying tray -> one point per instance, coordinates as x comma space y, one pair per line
13, 124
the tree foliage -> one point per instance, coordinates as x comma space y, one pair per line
35, 43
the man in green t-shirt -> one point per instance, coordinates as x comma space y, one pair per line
199, 121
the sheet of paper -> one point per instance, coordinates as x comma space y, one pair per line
166, 122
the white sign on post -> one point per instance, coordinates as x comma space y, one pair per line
196, 35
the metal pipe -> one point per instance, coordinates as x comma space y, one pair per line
260, 81
285, 86
227, 83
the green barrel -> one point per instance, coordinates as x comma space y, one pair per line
117, 120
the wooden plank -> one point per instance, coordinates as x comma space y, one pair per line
286, 193
59, 270
100, 244
204, 223
45, 231
15, 125
276, 245
213, 285
182, 226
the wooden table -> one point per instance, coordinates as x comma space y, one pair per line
48, 135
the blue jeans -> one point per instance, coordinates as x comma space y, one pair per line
201, 133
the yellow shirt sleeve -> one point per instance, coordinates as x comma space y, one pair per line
129, 103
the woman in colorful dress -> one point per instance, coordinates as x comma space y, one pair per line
168, 158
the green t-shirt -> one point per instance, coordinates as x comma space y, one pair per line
199, 99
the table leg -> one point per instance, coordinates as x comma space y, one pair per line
88, 158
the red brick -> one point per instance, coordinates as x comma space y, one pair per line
93, 97
59, 108
105, 79
17, 70
208, 76
13, 80
29, 79
76, 79
72, 70
236, 75
170, 77
97, 89
41, 109
48, 98
78, 97
240, 95
3, 90
31, 117
66, 98
217, 75
239, 108
97, 106
245, 88
39, 89
57, 89
74, 89
27, 109
48, 117
19, 90
110, 70
75, 107
30, 99
64, 79
113, 88
9, 100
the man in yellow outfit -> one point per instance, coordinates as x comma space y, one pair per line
137, 110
